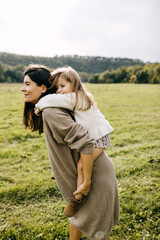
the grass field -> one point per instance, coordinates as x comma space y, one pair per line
31, 206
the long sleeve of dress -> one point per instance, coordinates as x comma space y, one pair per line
66, 131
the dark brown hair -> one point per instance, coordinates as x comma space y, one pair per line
40, 75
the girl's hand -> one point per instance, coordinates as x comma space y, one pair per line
37, 111
83, 188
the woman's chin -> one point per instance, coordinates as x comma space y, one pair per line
30, 101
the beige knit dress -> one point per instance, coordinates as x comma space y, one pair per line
66, 139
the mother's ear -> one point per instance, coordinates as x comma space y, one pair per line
44, 88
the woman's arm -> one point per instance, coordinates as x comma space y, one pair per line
66, 101
66, 131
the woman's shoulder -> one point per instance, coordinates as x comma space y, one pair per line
55, 113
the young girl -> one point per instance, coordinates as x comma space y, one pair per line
72, 95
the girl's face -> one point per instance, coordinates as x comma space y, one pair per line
31, 90
63, 86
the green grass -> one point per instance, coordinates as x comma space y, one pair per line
31, 206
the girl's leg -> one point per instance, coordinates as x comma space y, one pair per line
75, 234
97, 152
80, 178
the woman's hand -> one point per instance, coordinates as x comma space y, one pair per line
37, 111
84, 188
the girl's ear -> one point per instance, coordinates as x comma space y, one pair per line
44, 89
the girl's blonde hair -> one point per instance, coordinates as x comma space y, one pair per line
70, 75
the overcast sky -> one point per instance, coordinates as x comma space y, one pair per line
109, 28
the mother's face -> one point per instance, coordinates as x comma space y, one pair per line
31, 90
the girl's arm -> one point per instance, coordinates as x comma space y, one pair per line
66, 101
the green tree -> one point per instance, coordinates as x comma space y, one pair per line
94, 78
142, 76
107, 77
84, 76
1, 72
121, 75
19, 70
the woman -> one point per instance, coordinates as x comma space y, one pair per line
66, 142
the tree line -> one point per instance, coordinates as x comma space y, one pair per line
91, 69
149, 73
87, 64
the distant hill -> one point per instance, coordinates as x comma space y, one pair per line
87, 64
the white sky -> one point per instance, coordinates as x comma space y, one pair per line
109, 28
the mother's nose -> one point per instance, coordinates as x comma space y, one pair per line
23, 88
